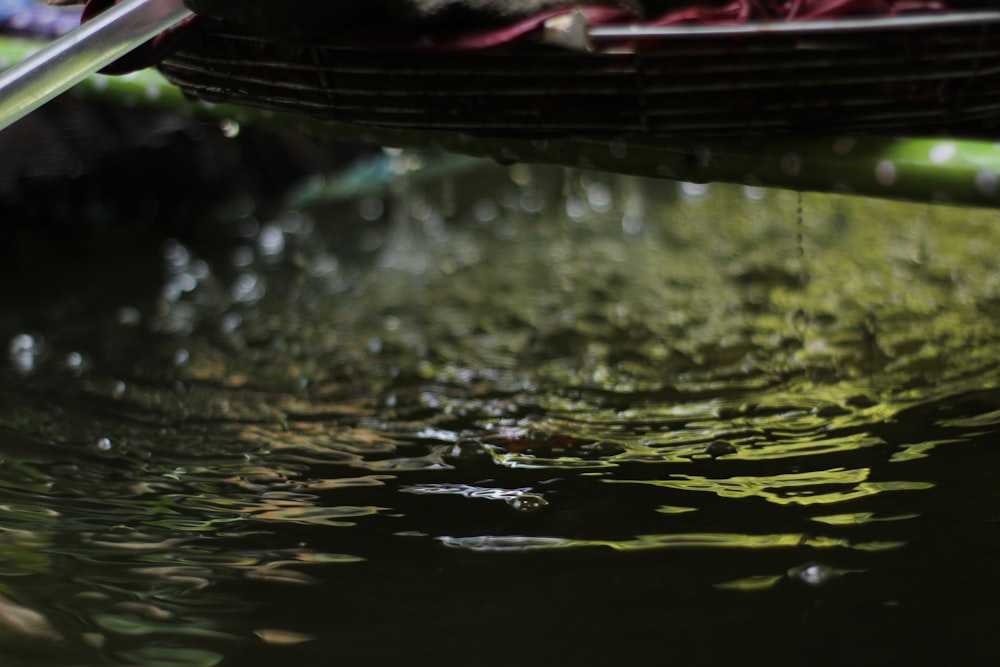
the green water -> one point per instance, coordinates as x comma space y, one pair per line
510, 416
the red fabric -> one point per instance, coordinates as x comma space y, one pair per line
737, 11
742, 11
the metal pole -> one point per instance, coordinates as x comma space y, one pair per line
74, 56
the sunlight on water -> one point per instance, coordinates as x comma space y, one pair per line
679, 389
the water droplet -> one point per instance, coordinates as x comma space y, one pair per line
532, 201
693, 190
885, 172
198, 269
420, 209
171, 291
185, 282
177, 255
520, 174
576, 209
246, 288
844, 145
230, 128
23, 353
527, 502
271, 240
104, 444
248, 227
74, 362
987, 182
942, 152
814, 574
242, 256
371, 208
230, 322
323, 265
599, 196
632, 225
485, 210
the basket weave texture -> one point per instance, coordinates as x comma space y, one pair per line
896, 78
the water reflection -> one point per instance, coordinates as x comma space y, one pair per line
453, 400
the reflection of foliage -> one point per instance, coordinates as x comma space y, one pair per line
23, 551
823, 487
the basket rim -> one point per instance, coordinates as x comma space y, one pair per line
823, 26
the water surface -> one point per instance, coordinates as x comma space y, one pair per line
510, 414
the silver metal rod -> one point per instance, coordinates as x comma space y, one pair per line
74, 56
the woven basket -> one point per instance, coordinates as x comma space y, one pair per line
892, 74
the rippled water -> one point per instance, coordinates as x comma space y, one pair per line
506, 415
